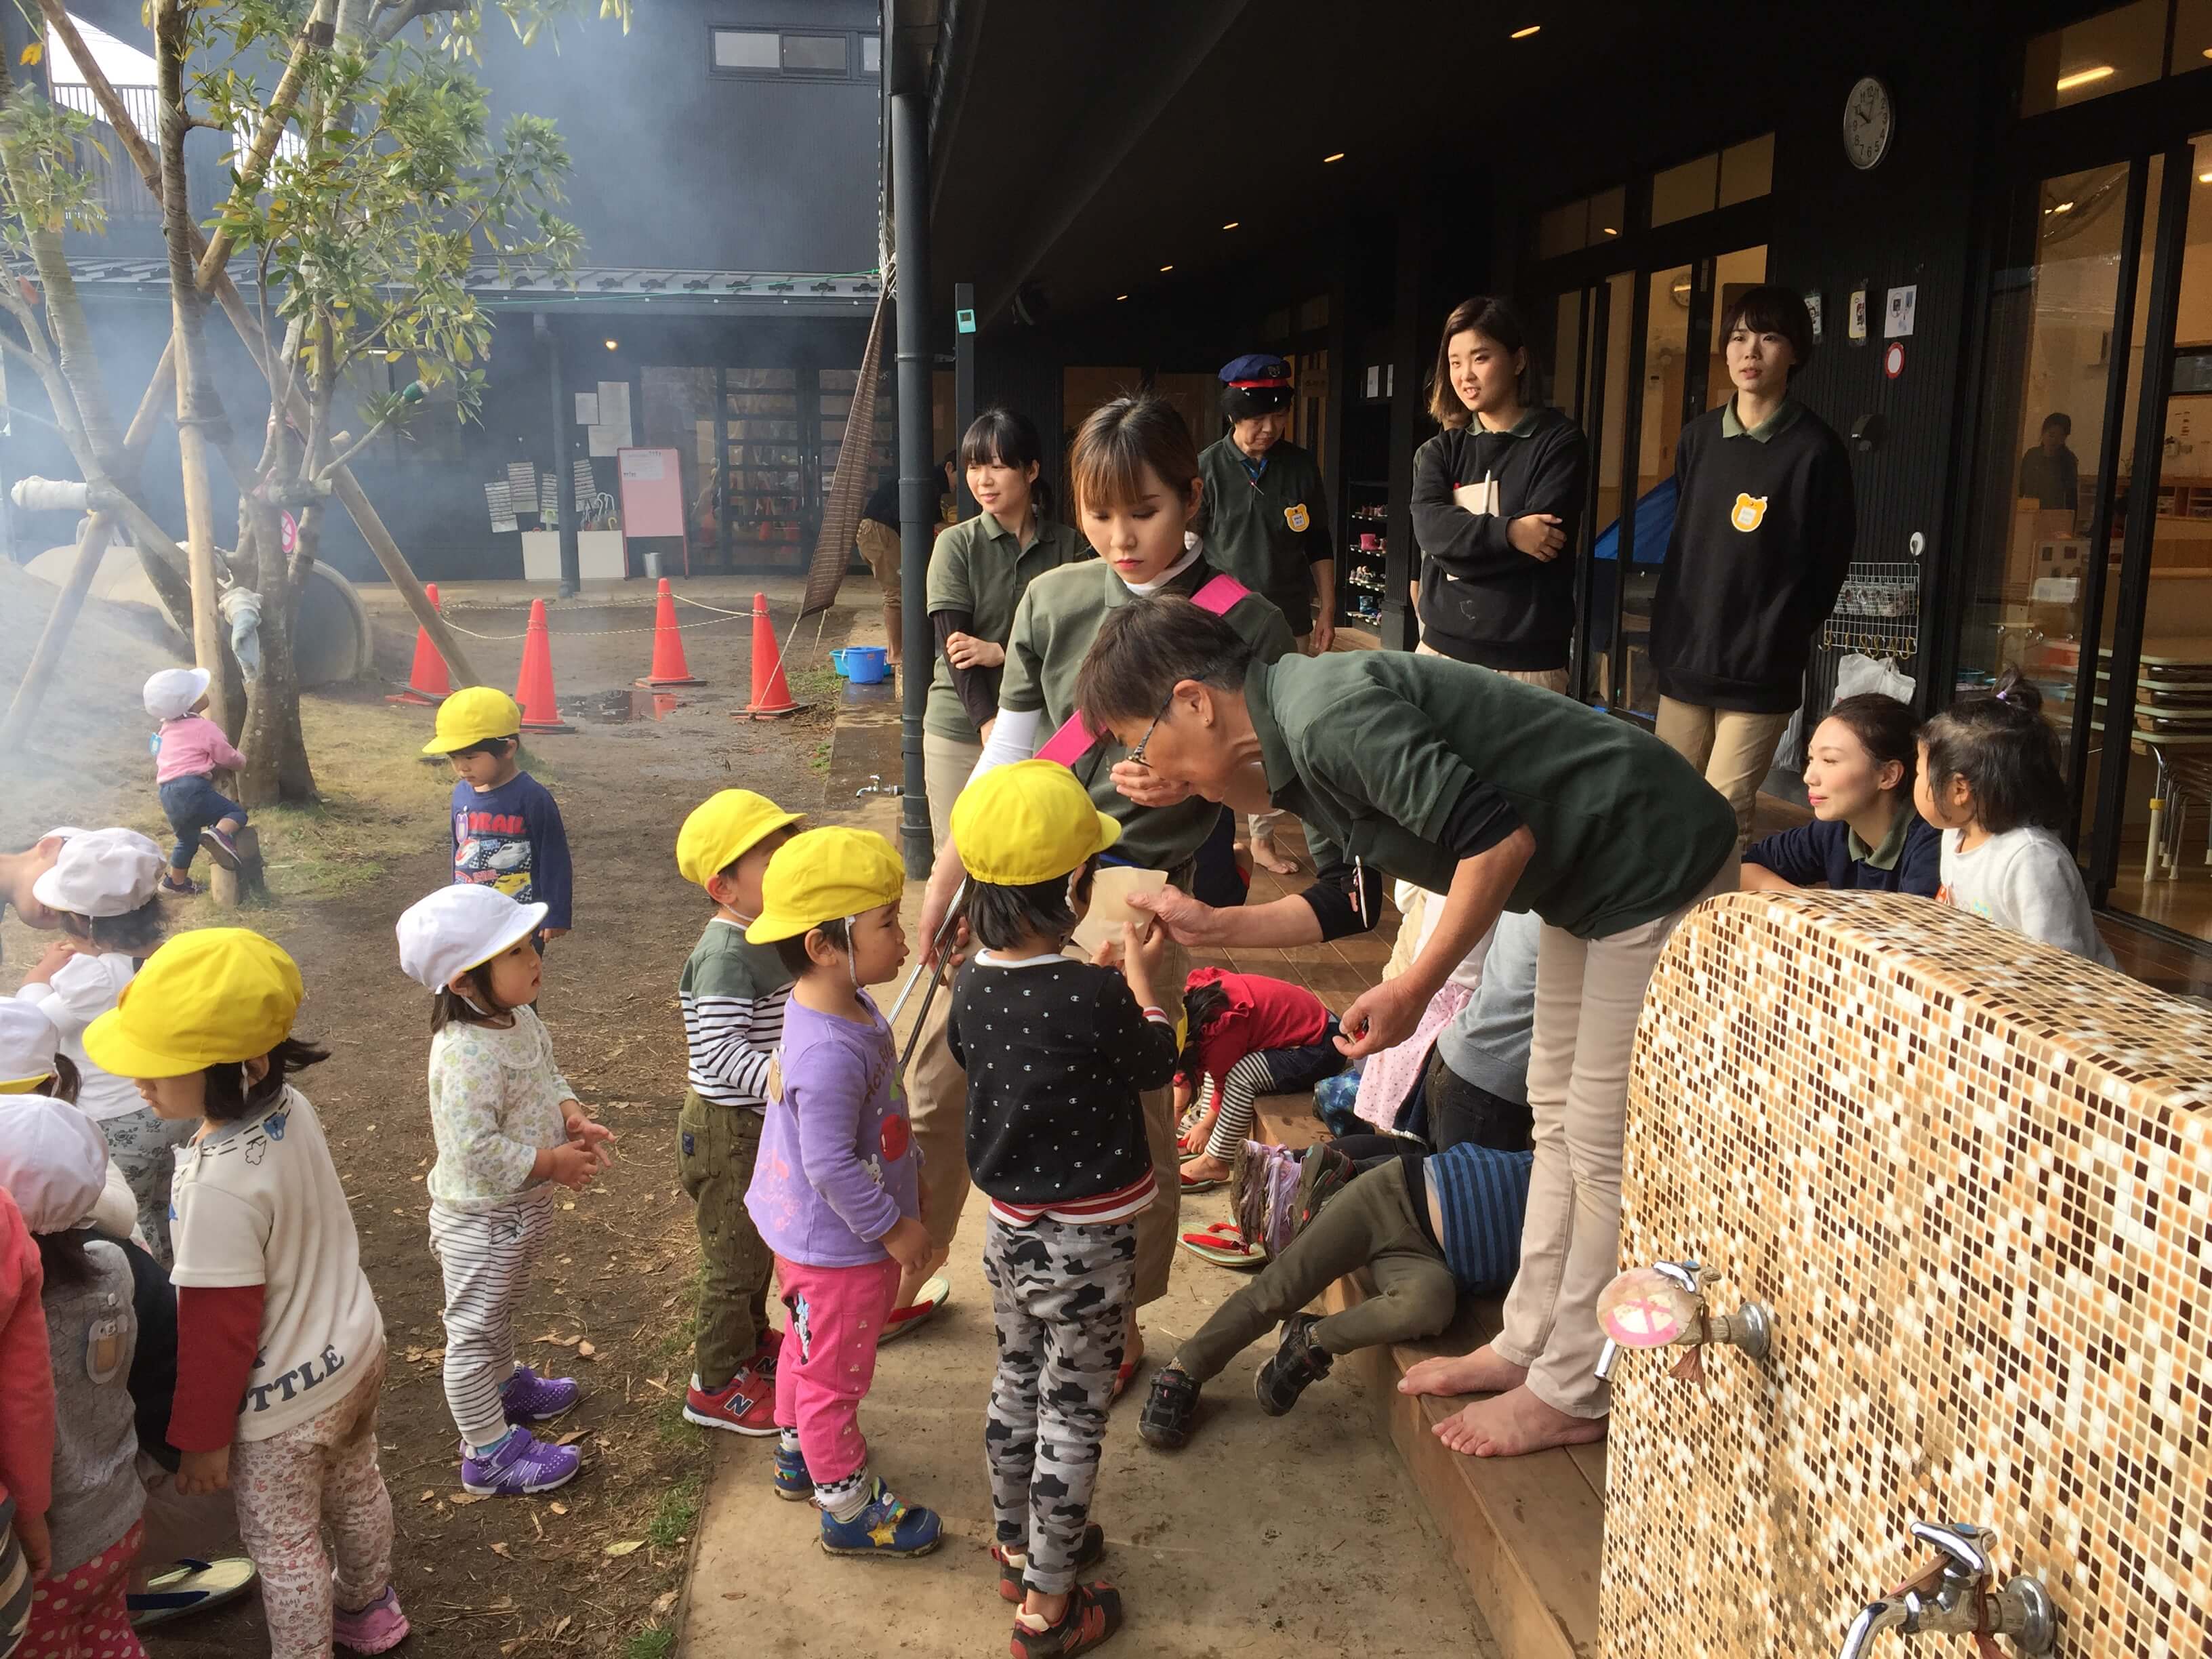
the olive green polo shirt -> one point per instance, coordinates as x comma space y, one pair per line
1884, 857
980, 569
1267, 532
1372, 748
1732, 427
1054, 626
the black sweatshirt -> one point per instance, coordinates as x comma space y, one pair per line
1762, 541
1483, 600
1057, 1055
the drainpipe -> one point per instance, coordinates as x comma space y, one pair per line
919, 480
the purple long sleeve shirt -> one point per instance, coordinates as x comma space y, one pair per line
837, 1165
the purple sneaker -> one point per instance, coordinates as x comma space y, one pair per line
373, 1629
220, 847
519, 1464
530, 1398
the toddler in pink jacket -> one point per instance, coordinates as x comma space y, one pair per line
189, 749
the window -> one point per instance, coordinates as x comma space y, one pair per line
2125, 46
1741, 172
794, 54
1581, 224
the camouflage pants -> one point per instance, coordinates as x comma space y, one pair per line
1060, 1298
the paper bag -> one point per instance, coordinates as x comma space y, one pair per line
1109, 902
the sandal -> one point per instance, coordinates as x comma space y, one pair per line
1223, 1245
936, 1292
1203, 1184
189, 1586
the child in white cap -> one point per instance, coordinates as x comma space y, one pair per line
103, 890
188, 750
510, 1134
51, 1164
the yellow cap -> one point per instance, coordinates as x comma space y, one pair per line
726, 826
472, 714
206, 997
1028, 823
819, 875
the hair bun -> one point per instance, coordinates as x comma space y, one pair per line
2017, 693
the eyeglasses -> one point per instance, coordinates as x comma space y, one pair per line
1136, 754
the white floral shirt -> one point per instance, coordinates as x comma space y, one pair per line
496, 1100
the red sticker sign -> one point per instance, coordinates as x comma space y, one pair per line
1892, 361
894, 1137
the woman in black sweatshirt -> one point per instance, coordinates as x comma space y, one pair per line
1497, 495
1763, 531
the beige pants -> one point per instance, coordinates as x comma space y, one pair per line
1588, 995
1548, 679
879, 546
1733, 750
947, 765
936, 1112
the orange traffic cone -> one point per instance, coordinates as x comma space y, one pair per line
427, 683
533, 688
669, 667
771, 691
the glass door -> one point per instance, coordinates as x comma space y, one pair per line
764, 486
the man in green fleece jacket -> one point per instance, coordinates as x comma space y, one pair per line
1762, 540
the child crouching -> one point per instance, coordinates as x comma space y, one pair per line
510, 1133
280, 1346
833, 1190
1058, 1054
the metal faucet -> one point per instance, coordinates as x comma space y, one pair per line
1950, 1595
1663, 1306
875, 786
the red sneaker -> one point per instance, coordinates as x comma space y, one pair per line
744, 1405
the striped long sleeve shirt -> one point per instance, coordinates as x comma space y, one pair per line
732, 995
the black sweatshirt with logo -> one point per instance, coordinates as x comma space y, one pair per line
1482, 599
1762, 541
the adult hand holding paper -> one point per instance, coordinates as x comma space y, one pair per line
1109, 904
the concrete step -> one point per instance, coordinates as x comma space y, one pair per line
1527, 1532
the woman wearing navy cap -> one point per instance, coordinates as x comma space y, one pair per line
1267, 522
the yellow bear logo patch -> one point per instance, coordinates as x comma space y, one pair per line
1296, 517
1747, 511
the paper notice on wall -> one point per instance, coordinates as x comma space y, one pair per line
601, 441
645, 465
587, 485
614, 412
1897, 312
522, 486
499, 501
1109, 903
549, 497
587, 409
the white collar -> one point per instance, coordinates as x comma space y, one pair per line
992, 959
1193, 549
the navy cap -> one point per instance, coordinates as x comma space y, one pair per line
1255, 370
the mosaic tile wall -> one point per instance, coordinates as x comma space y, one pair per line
1972, 1177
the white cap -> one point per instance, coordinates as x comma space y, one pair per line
59, 832
28, 1043
53, 1161
460, 927
101, 873
171, 693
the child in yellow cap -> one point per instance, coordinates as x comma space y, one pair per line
833, 1190
280, 1346
732, 993
1058, 1054
507, 828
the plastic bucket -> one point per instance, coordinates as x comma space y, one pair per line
864, 664
837, 661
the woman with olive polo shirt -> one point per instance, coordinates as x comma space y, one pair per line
1501, 796
1135, 474
978, 572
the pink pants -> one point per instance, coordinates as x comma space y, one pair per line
82, 1614
829, 1358
288, 1486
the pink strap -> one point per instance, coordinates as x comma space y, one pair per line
1073, 740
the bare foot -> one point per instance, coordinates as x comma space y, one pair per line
1265, 852
914, 1278
1206, 1167
1513, 1424
1483, 1371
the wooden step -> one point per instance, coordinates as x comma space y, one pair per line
1529, 1533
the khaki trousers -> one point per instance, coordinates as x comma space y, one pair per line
936, 1113
1549, 679
947, 765
1588, 995
1733, 750
879, 546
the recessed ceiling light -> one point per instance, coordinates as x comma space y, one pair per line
2204, 178
1326, 159
1610, 231
2082, 78
1232, 224
2063, 207
1120, 296
1523, 35
611, 344
1166, 268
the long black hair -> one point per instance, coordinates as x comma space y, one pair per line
1201, 1005
2006, 751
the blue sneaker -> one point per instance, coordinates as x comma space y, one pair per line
885, 1526
530, 1398
519, 1464
792, 1479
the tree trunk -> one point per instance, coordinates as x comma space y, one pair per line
274, 745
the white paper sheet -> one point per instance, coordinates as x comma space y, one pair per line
614, 412
602, 440
587, 409
1109, 902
